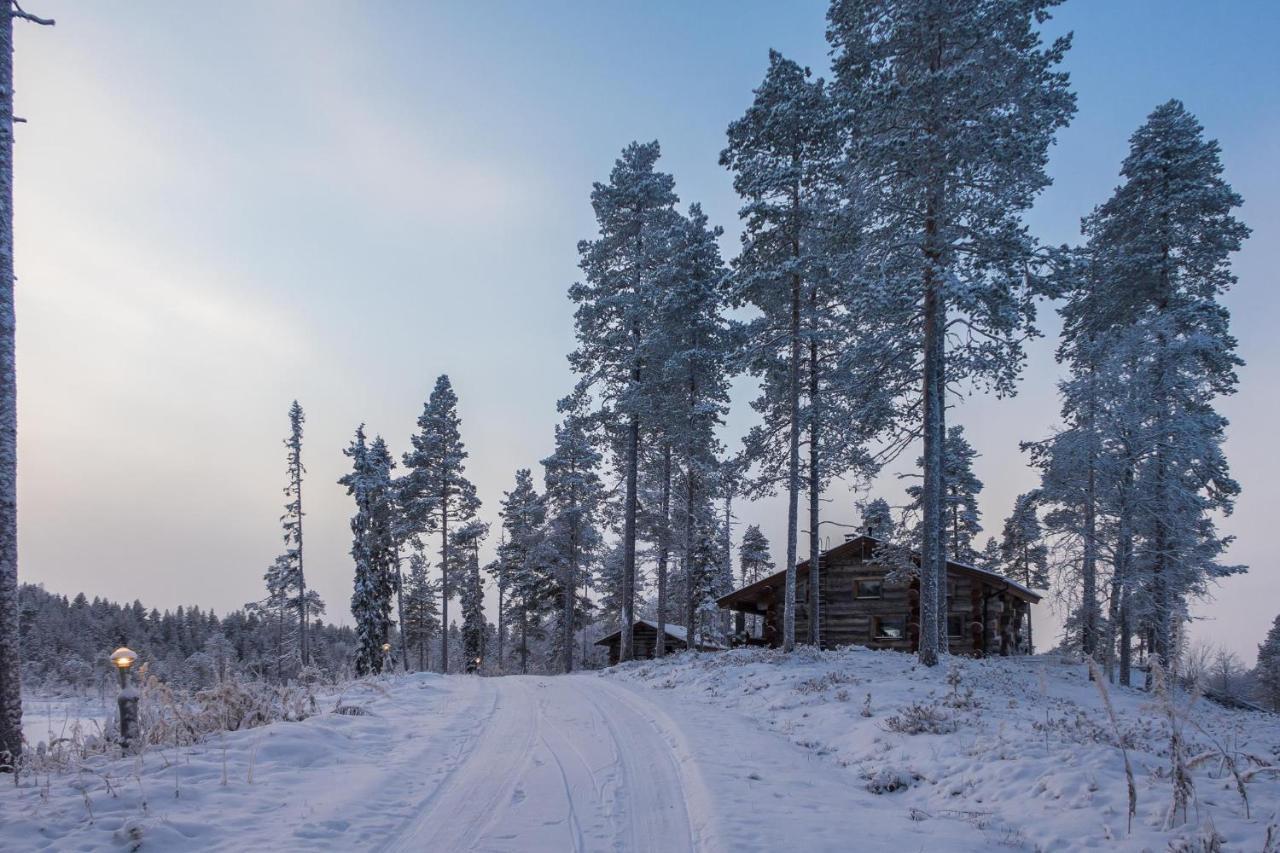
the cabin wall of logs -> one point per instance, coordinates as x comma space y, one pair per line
862, 605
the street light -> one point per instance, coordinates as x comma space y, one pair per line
386, 656
123, 658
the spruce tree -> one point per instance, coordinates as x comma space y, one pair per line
306, 602
1023, 553
372, 548
421, 609
525, 552
692, 347
951, 108
1268, 671
435, 491
614, 322
573, 496
471, 592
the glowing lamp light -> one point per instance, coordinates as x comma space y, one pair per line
386, 647
123, 657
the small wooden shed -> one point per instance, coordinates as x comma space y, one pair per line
867, 599
644, 641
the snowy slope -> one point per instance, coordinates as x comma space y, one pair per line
746, 750
1028, 760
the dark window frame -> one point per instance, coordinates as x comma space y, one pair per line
858, 584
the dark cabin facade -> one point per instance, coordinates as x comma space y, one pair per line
863, 602
644, 641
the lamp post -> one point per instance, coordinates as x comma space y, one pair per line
124, 658
386, 657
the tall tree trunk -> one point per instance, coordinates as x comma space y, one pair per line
664, 550
944, 584
570, 590
1123, 568
444, 580
1089, 561
793, 465
625, 652
815, 479
404, 639
728, 548
690, 597
932, 550
502, 638
524, 635
302, 577
10, 657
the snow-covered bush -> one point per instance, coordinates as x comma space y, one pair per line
886, 780
921, 718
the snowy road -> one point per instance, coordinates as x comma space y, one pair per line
559, 764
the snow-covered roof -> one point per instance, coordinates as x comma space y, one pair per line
675, 632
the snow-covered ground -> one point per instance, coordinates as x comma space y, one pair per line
48, 718
747, 750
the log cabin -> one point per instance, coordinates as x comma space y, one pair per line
644, 641
866, 598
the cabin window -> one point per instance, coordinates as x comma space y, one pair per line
888, 628
868, 588
955, 625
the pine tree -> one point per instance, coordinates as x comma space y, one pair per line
611, 571
573, 497
951, 109
1163, 243
615, 318
782, 153
1022, 550
369, 482
10, 655
1268, 672
421, 609
435, 490
961, 516
877, 519
466, 541
754, 561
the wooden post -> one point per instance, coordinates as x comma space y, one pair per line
127, 703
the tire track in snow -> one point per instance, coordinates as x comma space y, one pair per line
566, 763
464, 802
667, 781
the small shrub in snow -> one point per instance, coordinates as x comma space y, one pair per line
886, 780
962, 699
920, 718
820, 683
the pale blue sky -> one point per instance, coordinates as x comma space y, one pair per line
223, 207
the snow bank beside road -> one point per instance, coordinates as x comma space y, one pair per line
1018, 749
